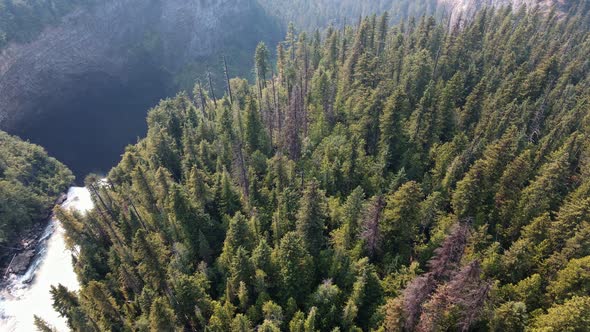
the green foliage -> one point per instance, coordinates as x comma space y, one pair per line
401, 222
295, 267
261, 62
256, 138
162, 316
30, 183
42, 325
510, 316
573, 315
376, 178
241, 323
311, 219
573, 280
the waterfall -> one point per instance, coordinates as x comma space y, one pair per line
28, 294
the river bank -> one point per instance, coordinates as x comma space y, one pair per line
25, 295
17, 256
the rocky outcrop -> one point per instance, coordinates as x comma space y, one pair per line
108, 39
21, 262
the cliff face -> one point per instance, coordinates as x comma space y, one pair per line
110, 39
465, 8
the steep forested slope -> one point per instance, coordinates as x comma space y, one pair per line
118, 40
22, 21
377, 178
30, 182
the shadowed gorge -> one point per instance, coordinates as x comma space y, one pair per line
95, 75
95, 71
89, 127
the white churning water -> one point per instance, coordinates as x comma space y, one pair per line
27, 295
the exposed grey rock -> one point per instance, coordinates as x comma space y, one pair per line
21, 262
62, 198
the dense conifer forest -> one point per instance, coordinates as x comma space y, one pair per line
381, 178
30, 182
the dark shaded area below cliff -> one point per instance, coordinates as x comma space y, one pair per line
82, 90
89, 128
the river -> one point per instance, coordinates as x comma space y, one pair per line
28, 294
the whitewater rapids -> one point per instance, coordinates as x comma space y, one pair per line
28, 294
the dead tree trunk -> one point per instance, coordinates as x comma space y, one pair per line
238, 145
231, 101
276, 105
211, 88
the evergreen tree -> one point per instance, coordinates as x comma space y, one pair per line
392, 136
241, 323
262, 66
256, 137
295, 267
400, 224
467, 140
311, 219
42, 325
162, 317
352, 217
572, 315
238, 235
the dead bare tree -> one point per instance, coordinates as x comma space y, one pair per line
293, 141
370, 227
202, 99
415, 294
276, 105
421, 305
211, 88
238, 152
269, 120
449, 254
226, 72
466, 291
